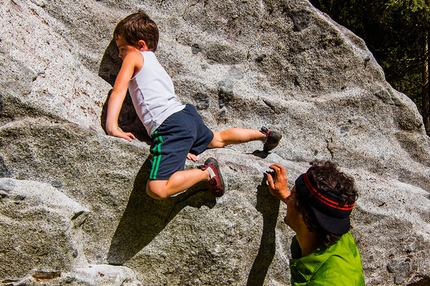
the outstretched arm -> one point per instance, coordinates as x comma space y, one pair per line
278, 182
117, 98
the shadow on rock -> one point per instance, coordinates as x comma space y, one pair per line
144, 218
423, 282
110, 64
260, 153
128, 120
268, 206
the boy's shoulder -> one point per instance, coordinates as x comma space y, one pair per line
134, 58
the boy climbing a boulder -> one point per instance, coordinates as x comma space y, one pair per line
177, 130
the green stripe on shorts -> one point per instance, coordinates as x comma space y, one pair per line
156, 151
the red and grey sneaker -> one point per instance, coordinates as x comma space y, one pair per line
215, 183
272, 139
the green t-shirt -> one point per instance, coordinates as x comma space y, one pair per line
338, 264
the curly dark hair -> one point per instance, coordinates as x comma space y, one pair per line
138, 26
327, 178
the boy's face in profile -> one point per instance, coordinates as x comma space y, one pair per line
124, 47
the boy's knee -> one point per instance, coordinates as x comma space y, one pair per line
217, 141
156, 193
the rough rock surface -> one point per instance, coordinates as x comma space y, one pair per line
73, 208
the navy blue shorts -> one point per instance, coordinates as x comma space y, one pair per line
181, 133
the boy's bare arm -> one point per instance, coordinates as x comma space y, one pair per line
114, 106
117, 98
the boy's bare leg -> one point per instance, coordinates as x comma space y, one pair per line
178, 182
235, 136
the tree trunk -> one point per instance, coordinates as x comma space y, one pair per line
426, 89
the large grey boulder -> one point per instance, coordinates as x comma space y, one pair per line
42, 238
73, 200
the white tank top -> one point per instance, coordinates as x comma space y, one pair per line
153, 94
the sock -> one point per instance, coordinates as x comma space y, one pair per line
211, 172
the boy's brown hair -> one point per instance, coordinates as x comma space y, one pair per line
138, 26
